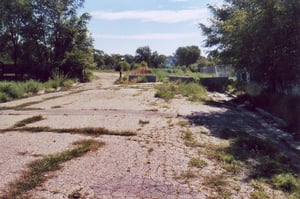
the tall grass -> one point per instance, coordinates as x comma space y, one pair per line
162, 74
193, 91
10, 90
271, 165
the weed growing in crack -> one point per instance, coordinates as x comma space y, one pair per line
150, 150
197, 162
28, 121
35, 175
25, 106
183, 123
259, 195
144, 122
189, 139
187, 175
219, 184
55, 107
85, 131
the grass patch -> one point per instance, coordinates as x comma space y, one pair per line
189, 139
24, 106
85, 131
55, 107
150, 150
270, 165
188, 175
35, 176
286, 182
10, 90
183, 123
166, 91
259, 195
197, 162
144, 122
28, 121
193, 91
218, 183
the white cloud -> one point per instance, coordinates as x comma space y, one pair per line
149, 36
159, 16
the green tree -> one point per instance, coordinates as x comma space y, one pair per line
143, 54
46, 35
122, 66
156, 60
187, 55
129, 58
259, 36
99, 58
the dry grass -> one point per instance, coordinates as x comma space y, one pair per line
28, 121
219, 184
35, 175
197, 162
85, 131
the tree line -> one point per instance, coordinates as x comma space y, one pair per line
258, 36
44, 36
184, 56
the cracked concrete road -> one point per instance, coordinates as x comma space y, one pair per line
152, 164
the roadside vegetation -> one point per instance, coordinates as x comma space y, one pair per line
193, 91
35, 175
10, 90
264, 163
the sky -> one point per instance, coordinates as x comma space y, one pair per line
122, 26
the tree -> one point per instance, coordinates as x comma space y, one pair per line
99, 58
129, 58
143, 54
46, 35
261, 37
187, 55
156, 60
14, 15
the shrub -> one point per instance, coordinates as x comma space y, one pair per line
193, 91
4, 97
166, 91
286, 182
123, 66
68, 83
12, 89
32, 86
193, 68
87, 76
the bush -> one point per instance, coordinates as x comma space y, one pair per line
4, 97
193, 68
166, 91
68, 83
32, 86
286, 182
193, 91
123, 66
12, 89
